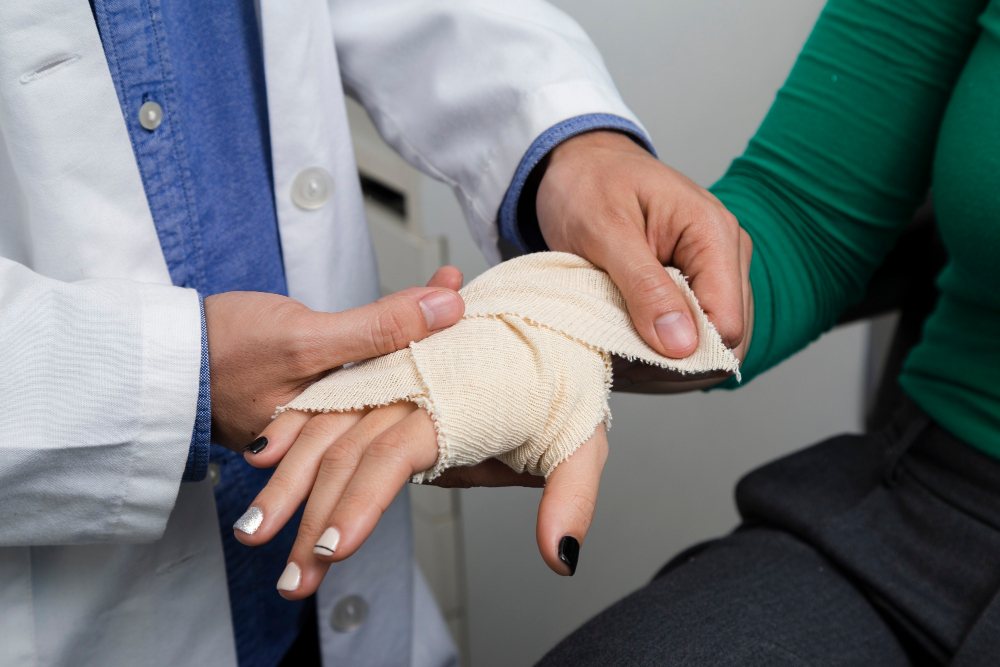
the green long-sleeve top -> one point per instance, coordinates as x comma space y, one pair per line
888, 98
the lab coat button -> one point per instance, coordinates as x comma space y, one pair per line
349, 614
150, 115
312, 188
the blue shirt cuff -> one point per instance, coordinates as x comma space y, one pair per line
197, 462
518, 222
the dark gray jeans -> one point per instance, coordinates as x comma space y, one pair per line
878, 550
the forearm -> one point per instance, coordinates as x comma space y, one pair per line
842, 161
100, 383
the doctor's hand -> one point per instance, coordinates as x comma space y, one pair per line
348, 467
606, 199
264, 349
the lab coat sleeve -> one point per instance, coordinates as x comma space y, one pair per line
461, 88
99, 390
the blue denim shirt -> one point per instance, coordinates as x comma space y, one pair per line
206, 170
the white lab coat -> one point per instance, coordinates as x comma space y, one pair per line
105, 557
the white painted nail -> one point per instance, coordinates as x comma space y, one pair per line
250, 521
290, 578
327, 544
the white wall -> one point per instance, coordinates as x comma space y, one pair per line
701, 74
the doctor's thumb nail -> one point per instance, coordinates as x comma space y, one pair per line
675, 330
569, 553
441, 309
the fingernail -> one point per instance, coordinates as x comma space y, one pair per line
250, 521
257, 446
441, 309
327, 544
675, 330
290, 578
569, 553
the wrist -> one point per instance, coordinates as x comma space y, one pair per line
601, 139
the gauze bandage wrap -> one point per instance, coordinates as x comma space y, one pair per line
524, 377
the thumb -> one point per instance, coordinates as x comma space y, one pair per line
446, 276
385, 326
568, 502
656, 305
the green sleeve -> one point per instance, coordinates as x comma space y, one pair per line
842, 160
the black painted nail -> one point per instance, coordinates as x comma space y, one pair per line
257, 446
569, 553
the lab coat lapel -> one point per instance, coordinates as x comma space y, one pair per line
84, 206
329, 262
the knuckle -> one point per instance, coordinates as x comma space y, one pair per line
387, 447
310, 528
357, 497
321, 426
714, 233
582, 504
731, 330
389, 331
647, 285
728, 220
343, 453
618, 219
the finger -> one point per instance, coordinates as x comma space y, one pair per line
290, 484
709, 252
272, 444
656, 305
567, 506
387, 325
746, 256
336, 469
391, 459
448, 277
489, 473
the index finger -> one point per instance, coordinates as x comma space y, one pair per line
710, 252
655, 304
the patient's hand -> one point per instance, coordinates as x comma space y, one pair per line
521, 382
347, 468
635, 377
605, 198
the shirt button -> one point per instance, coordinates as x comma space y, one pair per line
312, 188
349, 614
214, 474
150, 115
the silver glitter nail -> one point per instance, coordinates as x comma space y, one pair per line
250, 521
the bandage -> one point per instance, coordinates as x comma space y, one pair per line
525, 375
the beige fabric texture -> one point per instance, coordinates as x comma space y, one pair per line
525, 376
